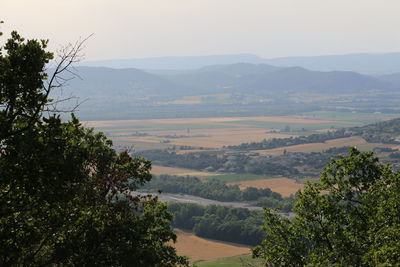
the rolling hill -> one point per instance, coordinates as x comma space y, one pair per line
262, 79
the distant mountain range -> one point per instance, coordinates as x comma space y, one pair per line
393, 78
244, 78
262, 79
175, 63
363, 63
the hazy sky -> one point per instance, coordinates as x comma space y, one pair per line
151, 28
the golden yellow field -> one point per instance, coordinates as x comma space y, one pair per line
207, 138
283, 186
158, 170
197, 248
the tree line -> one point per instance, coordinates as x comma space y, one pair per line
217, 190
211, 161
223, 223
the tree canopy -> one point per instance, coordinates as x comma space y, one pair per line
351, 217
64, 192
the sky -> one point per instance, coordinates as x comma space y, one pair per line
153, 28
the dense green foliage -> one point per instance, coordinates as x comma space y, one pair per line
217, 190
210, 161
350, 218
219, 222
312, 163
60, 183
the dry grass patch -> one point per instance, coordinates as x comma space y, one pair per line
207, 138
316, 147
217, 138
283, 186
185, 151
158, 170
197, 248
356, 141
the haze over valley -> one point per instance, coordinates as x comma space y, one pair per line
200, 133
236, 89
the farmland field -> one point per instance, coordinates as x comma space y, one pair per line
234, 177
184, 135
158, 170
283, 186
201, 249
214, 133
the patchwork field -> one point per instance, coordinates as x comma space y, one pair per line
210, 133
283, 186
207, 138
201, 249
197, 134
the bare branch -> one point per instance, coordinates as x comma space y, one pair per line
66, 56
